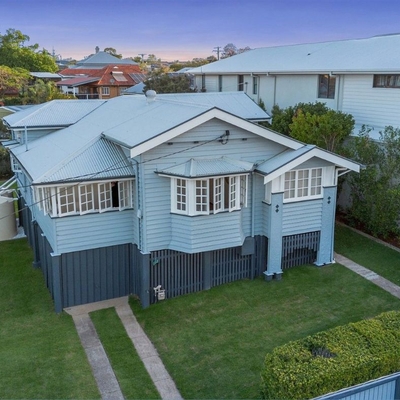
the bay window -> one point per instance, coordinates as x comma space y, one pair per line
208, 195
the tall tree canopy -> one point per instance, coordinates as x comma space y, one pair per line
12, 79
164, 82
14, 53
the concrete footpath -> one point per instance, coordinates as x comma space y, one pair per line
102, 370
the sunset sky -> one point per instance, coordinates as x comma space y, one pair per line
185, 29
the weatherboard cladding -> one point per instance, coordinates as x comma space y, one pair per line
101, 160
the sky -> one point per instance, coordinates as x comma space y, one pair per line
187, 29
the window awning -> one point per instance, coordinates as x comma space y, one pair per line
198, 168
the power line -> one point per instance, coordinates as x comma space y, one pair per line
110, 169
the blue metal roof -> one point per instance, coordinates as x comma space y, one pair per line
101, 160
196, 168
281, 159
52, 113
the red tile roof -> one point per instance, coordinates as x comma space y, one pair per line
105, 74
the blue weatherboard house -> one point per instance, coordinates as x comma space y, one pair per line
180, 192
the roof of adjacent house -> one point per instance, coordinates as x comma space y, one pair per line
375, 54
55, 113
111, 75
102, 59
139, 123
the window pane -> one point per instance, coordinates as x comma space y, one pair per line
181, 194
201, 196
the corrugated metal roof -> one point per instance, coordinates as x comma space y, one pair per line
101, 160
80, 80
281, 159
378, 53
103, 58
52, 113
131, 120
196, 168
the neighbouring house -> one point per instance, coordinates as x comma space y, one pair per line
163, 195
360, 77
104, 83
101, 59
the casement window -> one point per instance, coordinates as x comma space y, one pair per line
387, 81
15, 167
255, 85
208, 196
326, 86
84, 198
240, 83
105, 91
302, 184
66, 200
124, 195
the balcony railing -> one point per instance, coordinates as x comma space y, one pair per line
83, 96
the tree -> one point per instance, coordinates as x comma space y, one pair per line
282, 118
229, 50
12, 79
112, 51
163, 82
327, 130
41, 91
14, 53
375, 191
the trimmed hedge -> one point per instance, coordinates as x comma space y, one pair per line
335, 359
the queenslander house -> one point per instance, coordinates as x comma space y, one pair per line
181, 192
360, 77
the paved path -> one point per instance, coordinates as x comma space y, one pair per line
370, 275
102, 370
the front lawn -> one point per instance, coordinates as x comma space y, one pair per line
364, 251
213, 343
40, 351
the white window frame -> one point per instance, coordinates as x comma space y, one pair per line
125, 194
86, 198
15, 166
200, 193
66, 199
201, 201
105, 91
300, 184
105, 196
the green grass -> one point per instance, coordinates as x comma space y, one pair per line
372, 255
213, 343
40, 352
134, 381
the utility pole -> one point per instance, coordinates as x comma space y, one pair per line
217, 50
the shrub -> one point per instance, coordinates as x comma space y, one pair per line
333, 359
5, 167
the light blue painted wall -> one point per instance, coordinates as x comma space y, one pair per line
302, 216
89, 231
274, 227
157, 215
325, 252
207, 232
